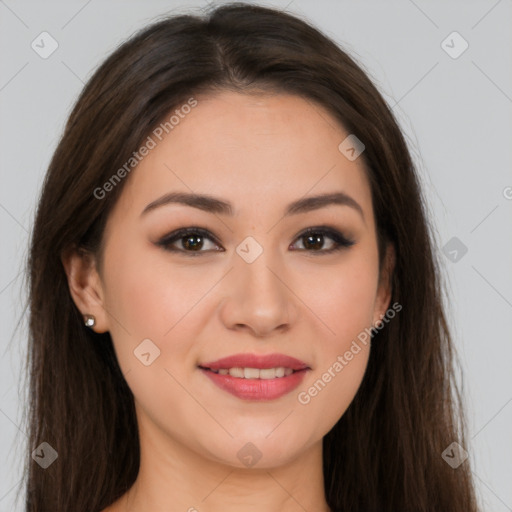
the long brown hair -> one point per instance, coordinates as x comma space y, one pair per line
385, 452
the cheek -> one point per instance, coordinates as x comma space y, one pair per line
341, 363
150, 293
343, 297
147, 297
150, 298
330, 390
344, 302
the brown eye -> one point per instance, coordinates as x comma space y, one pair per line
314, 240
189, 240
192, 242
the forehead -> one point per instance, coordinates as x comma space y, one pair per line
251, 149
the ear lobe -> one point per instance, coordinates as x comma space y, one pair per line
85, 285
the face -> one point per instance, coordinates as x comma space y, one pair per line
248, 278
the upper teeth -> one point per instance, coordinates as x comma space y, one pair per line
255, 373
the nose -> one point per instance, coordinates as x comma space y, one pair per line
258, 299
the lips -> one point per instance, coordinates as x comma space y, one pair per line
256, 361
255, 377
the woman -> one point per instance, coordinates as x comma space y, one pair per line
235, 303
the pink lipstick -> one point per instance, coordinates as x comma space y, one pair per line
256, 377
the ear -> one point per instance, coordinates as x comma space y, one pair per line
385, 284
85, 286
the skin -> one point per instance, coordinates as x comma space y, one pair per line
259, 152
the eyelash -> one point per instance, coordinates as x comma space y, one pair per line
340, 241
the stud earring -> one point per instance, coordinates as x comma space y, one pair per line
89, 320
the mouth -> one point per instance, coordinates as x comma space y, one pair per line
256, 377
254, 373
251, 362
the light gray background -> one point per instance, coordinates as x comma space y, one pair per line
456, 114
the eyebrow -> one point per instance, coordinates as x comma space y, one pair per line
215, 205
